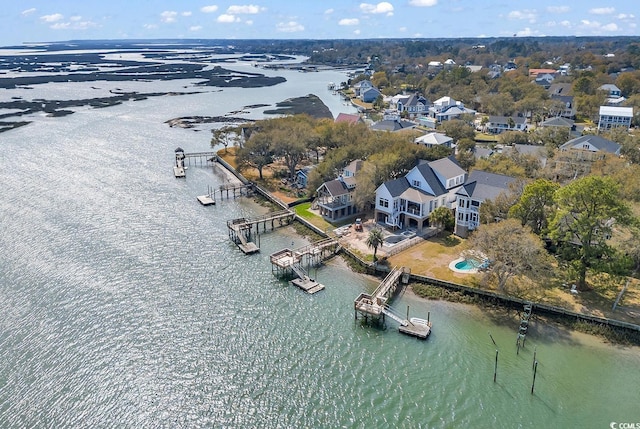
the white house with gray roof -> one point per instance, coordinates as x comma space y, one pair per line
479, 187
611, 117
408, 201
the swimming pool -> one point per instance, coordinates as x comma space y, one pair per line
467, 265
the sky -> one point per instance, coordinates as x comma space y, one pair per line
27, 21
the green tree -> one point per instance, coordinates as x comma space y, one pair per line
499, 104
256, 152
374, 240
535, 205
512, 250
587, 210
225, 136
457, 129
441, 217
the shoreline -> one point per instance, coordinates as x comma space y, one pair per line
618, 335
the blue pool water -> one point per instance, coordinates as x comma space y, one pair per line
467, 264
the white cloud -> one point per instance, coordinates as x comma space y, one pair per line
195, 28
565, 23
602, 10
349, 21
528, 14
186, 13
528, 32
596, 27
249, 21
423, 3
245, 9
73, 25
289, 27
626, 16
356, 32
28, 11
402, 29
558, 9
168, 16
75, 18
328, 11
150, 26
226, 18
209, 9
52, 18
382, 7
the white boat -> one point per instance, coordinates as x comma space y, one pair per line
418, 321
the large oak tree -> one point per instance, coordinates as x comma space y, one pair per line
588, 208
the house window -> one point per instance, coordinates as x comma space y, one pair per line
475, 203
383, 202
416, 183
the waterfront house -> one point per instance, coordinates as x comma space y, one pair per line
335, 198
362, 86
612, 117
370, 95
408, 201
479, 187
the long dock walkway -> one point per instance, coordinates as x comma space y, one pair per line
241, 230
376, 305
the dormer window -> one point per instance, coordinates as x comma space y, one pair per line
415, 183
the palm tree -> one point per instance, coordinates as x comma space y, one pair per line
440, 217
374, 240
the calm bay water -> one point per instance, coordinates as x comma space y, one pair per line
124, 304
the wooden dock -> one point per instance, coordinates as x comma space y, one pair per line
198, 158
376, 307
241, 230
289, 263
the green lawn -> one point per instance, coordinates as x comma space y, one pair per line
304, 211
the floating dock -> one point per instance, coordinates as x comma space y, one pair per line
376, 307
208, 199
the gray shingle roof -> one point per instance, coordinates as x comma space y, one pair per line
392, 125
447, 167
432, 180
482, 185
598, 142
397, 187
336, 187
